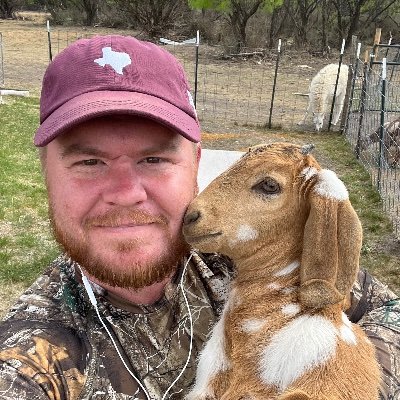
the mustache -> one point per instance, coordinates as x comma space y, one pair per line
115, 218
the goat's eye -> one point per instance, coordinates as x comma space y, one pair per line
267, 186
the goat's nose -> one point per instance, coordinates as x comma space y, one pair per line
191, 217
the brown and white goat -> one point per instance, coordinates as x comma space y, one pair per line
295, 239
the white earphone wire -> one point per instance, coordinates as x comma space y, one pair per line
191, 329
93, 301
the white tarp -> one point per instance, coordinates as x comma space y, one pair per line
213, 163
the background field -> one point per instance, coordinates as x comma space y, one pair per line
26, 246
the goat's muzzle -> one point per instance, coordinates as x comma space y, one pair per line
191, 217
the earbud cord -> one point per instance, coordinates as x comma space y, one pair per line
93, 300
191, 328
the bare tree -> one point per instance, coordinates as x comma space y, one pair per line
8, 7
278, 19
383, 9
238, 13
89, 8
152, 16
80, 11
300, 12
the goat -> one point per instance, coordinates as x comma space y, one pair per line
295, 240
321, 91
391, 142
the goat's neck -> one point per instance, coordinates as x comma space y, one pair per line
266, 260
272, 289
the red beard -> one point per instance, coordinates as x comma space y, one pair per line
137, 275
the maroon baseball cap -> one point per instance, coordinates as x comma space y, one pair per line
115, 74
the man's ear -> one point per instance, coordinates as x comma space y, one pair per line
198, 157
198, 152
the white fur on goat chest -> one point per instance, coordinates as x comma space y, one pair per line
276, 346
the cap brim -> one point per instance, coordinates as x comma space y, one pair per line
95, 104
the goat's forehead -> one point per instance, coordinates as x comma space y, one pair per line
279, 148
273, 157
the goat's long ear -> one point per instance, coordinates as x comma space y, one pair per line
331, 246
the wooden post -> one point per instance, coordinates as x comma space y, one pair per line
366, 55
354, 44
377, 40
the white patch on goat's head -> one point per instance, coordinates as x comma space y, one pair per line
252, 325
246, 233
273, 286
290, 309
306, 342
308, 173
288, 270
330, 186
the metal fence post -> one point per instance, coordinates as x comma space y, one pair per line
353, 83
382, 124
336, 85
196, 68
49, 40
362, 100
274, 86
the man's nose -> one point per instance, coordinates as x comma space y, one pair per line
125, 186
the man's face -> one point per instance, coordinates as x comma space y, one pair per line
118, 189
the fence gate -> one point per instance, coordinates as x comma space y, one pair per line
373, 122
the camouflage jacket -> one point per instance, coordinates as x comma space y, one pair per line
53, 345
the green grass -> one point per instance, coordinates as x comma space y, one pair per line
26, 245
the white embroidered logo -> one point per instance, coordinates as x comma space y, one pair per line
117, 60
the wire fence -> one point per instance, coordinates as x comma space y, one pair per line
232, 90
373, 123
258, 87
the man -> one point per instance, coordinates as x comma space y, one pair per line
125, 310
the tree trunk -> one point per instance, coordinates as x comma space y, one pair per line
6, 9
271, 35
90, 8
239, 17
324, 43
355, 18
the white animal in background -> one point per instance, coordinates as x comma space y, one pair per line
321, 91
